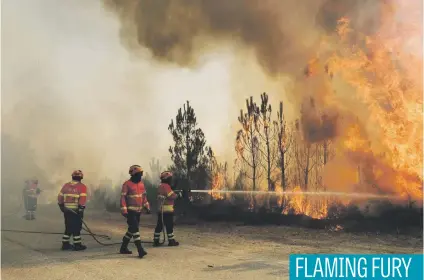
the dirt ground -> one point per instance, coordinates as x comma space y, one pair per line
207, 251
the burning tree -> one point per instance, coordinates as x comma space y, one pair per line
284, 141
268, 138
218, 175
189, 153
247, 142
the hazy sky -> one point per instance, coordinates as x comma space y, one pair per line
76, 98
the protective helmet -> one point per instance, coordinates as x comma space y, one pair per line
31, 180
134, 169
165, 175
77, 173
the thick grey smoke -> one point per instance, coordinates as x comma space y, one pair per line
84, 83
73, 97
283, 34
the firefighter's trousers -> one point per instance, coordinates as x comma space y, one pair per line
168, 220
133, 220
30, 203
73, 226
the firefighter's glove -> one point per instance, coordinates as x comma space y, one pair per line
179, 195
81, 212
125, 215
147, 207
62, 208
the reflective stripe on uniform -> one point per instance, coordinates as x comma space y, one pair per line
71, 205
135, 208
71, 195
136, 236
170, 193
60, 194
156, 236
171, 236
128, 235
168, 208
135, 195
83, 194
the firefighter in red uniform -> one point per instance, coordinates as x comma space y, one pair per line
71, 200
166, 199
30, 195
133, 201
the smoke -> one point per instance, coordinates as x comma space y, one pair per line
93, 85
283, 37
74, 98
282, 34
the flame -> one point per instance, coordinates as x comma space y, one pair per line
301, 204
383, 76
218, 172
216, 185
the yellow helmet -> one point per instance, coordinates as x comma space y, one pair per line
78, 173
134, 169
165, 175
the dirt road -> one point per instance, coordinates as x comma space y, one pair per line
207, 251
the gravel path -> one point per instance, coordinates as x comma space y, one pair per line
207, 251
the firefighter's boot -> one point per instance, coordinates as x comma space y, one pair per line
156, 239
172, 243
32, 215
79, 247
156, 243
124, 246
140, 249
28, 215
66, 246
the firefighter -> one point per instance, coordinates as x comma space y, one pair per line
166, 199
30, 196
133, 202
72, 199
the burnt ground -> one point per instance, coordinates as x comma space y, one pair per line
219, 250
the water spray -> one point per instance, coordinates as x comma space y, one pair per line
292, 193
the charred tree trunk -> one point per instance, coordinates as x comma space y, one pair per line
306, 169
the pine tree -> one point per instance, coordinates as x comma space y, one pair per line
248, 142
189, 153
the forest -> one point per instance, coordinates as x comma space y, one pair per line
274, 157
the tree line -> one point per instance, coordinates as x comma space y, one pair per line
271, 152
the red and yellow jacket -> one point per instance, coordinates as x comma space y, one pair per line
73, 195
31, 190
164, 190
133, 197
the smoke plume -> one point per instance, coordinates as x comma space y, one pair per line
287, 36
93, 85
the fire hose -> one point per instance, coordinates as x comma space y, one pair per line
94, 235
